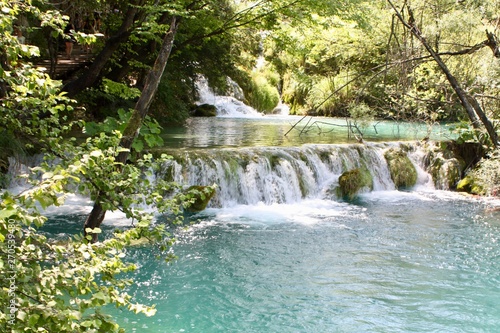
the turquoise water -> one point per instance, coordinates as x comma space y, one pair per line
390, 262
271, 130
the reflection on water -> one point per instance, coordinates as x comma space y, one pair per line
271, 130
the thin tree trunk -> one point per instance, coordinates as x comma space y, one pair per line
98, 213
473, 108
53, 46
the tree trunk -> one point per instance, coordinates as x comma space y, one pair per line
468, 102
112, 44
97, 214
52, 47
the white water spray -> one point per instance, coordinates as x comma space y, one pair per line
276, 175
227, 106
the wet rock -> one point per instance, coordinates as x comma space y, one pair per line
403, 172
353, 181
204, 110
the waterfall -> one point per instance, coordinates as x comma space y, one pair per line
287, 175
227, 106
272, 175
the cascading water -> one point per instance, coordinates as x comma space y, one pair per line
227, 106
272, 175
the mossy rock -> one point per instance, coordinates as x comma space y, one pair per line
470, 185
202, 196
352, 181
448, 174
204, 110
403, 172
445, 172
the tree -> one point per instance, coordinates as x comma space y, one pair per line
112, 44
472, 106
323, 75
62, 285
97, 214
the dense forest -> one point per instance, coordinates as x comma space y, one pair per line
415, 61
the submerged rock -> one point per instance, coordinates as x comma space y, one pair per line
403, 172
351, 182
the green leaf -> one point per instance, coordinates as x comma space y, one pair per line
138, 145
93, 231
45, 200
33, 319
5, 213
101, 296
21, 315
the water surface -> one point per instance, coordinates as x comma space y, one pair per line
422, 261
277, 131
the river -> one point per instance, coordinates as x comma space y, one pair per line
278, 252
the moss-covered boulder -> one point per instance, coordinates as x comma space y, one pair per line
470, 185
447, 162
201, 196
352, 181
204, 110
444, 162
403, 172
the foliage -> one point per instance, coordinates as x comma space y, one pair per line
201, 196
149, 136
361, 113
62, 286
425, 94
485, 177
173, 99
34, 113
317, 72
65, 285
367, 58
10, 147
356, 56
263, 96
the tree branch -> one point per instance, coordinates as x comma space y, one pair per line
492, 42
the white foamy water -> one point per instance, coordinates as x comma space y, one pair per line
227, 106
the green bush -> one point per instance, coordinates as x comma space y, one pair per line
263, 96
486, 175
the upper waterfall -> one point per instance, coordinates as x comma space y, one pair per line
227, 106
